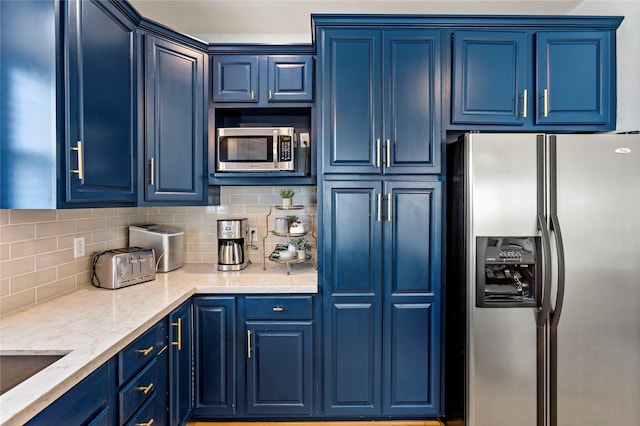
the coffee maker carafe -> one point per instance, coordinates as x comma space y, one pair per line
232, 244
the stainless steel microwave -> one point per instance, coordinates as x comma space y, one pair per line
255, 149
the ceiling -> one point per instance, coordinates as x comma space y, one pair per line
288, 21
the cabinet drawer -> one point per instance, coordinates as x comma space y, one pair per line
276, 308
142, 350
140, 388
151, 413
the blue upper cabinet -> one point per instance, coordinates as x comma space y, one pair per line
100, 85
575, 78
380, 110
534, 80
490, 77
290, 78
262, 79
235, 78
175, 123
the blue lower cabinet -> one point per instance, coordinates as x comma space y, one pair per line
381, 297
215, 348
279, 355
267, 372
180, 366
90, 402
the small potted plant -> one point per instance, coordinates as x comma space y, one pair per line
302, 245
287, 195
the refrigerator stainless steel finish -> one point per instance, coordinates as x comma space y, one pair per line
574, 358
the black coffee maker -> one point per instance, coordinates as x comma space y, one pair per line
232, 244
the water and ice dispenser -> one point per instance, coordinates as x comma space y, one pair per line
509, 271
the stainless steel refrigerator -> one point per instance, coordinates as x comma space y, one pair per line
551, 243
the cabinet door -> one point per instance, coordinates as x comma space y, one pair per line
412, 276
575, 78
411, 78
215, 354
351, 107
290, 78
174, 122
279, 368
100, 104
180, 354
489, 77
352, 271
235, 78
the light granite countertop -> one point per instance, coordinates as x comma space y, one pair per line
91, 325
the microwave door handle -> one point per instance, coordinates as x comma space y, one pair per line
276, 145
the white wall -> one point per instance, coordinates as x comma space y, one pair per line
628, 59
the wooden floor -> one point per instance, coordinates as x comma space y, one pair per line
356, 423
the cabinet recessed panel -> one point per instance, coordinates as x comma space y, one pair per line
575, 69
235, 78
351, 101
279, 371
411, 78
215, 356
352, 380
410, 364
489, 72
354, 254
413, 238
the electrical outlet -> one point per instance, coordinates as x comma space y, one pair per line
304, 140
253, 234
78, 247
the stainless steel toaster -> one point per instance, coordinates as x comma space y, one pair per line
166, 241
123, 267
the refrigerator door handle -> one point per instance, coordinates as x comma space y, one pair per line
555, 313
543, 313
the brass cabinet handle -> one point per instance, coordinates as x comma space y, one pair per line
270, 95
253, 96
545, 102
524, 104
80, 170
145, 389
278, 309
151, 171
248, 344
149, 423
388, 153
145, 352
379, 207
378, 153
389, 207
179, 342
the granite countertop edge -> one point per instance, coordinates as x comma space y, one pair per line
91, 325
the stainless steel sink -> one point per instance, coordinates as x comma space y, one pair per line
16, 368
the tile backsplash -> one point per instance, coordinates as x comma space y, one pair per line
36, 246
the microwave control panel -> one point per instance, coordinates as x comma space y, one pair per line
285, 147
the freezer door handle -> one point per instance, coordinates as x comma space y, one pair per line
543, 313
555, 313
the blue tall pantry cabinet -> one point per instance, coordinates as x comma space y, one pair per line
381, 196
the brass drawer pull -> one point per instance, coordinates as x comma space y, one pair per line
145, 389
146, 352
278, 309
149, 423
